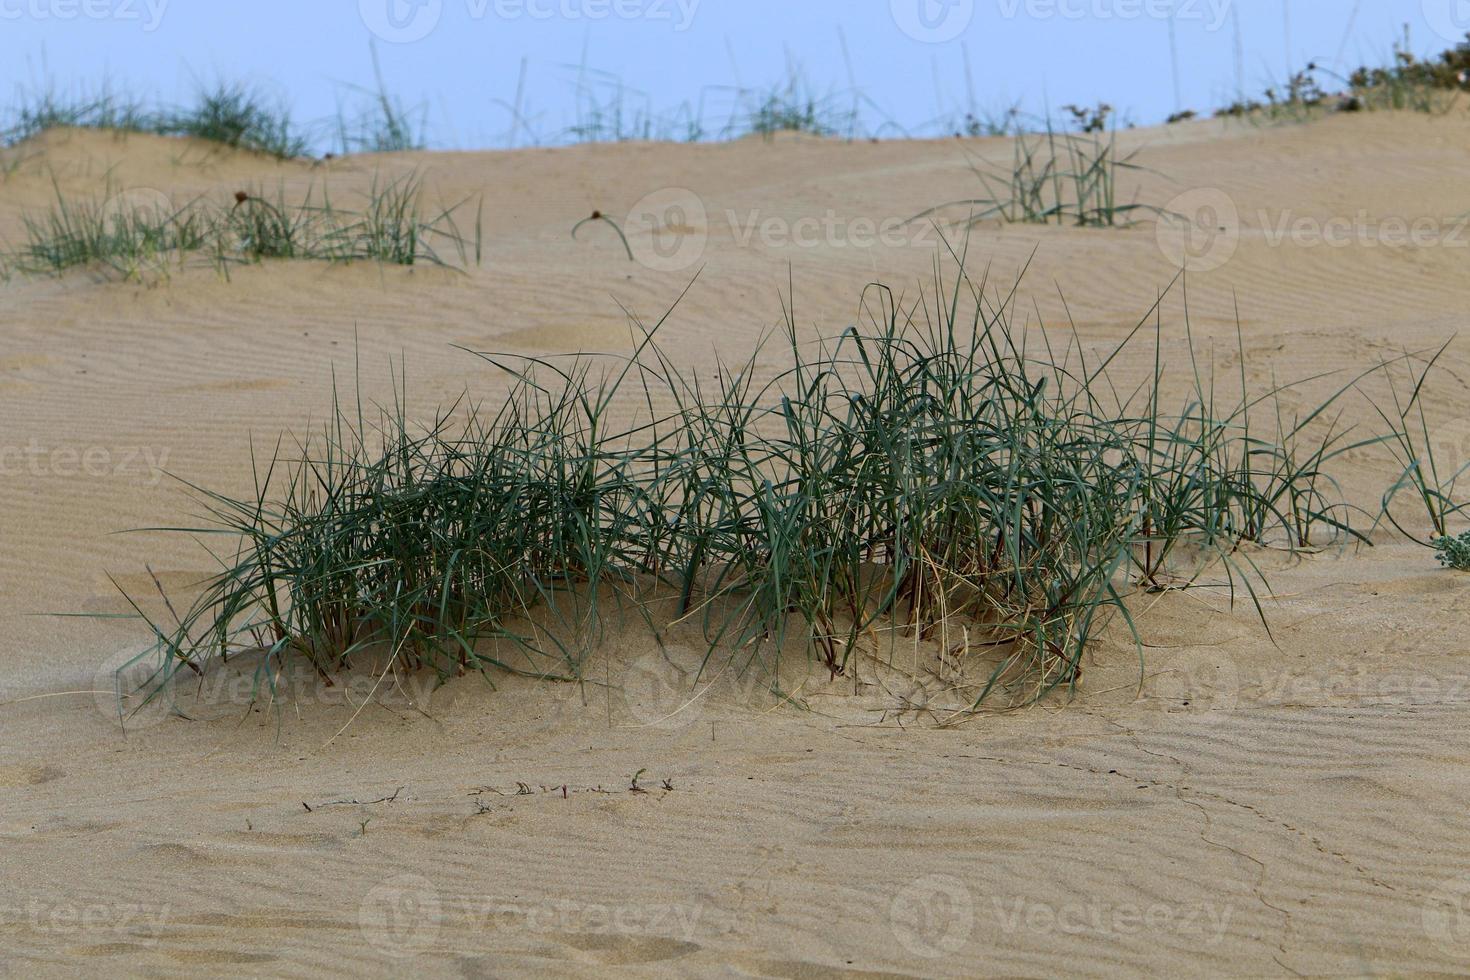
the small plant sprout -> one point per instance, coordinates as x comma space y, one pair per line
1454, 552
599, 216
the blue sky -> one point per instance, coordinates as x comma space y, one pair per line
915, 61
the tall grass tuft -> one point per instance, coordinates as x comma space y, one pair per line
1427, 478
394, 227
238, 116
129, 238
48, 108
384, 125
937, 475
793, 106
1054, 178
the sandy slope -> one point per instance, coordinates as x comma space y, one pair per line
1295, 807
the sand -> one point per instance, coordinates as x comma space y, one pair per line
1282, 803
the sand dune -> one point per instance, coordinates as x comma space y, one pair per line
1260, 808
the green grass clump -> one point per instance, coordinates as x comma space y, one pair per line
38, 111
609, 111
128, 238
1454, 552
937, 475
793, 107
385, 125
790, 109
231, 114
1055, 178
1431, 481
394, 227
238, 116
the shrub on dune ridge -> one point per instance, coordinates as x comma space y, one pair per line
46, 109
231, 114
939, 473
1406, 83
237, 116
